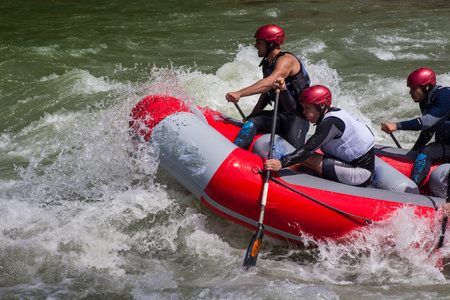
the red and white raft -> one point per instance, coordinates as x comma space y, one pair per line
195, 147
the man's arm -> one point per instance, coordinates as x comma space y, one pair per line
285, 66
439, 110
423, 139
327, 129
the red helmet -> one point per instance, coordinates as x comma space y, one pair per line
316, 94
421, 77
270, 33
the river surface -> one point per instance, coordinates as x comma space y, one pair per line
80, 219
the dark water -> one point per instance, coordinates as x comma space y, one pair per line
79, 219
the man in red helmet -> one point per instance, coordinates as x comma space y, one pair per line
434, 103
275, 63
347, 143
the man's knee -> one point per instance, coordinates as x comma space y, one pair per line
428, 151
246, 135
314, 162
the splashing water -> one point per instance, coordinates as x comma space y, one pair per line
84, 216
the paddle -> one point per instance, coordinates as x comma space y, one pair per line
395, 140
253, 249
386, 128
240, 112
440, 261
445, 219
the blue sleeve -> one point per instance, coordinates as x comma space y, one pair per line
439, 110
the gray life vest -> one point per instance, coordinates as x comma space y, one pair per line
356, 140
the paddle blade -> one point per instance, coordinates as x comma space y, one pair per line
253, 249
442, 263
439, 261
441, 238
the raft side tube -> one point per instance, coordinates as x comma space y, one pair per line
439, 180
388, 178
190, 150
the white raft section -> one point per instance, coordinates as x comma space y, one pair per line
190, 150
439, 180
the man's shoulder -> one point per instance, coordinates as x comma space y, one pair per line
442, 96
286, 57
443, 90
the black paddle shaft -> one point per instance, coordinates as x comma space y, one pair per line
445, 220
253, 248
274, 125
244, 118
395, 140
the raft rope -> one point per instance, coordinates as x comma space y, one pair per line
315, 200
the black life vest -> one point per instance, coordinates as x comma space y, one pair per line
295, 83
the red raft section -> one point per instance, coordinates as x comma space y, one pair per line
234, 190
290, 215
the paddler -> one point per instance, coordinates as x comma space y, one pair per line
346, 142
434, 103
275, 63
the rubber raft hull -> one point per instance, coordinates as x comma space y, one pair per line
194, 147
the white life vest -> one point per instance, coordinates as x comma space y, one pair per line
356, 140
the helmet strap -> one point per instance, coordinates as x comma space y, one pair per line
263, 61
425, 90
321, 111
269, 49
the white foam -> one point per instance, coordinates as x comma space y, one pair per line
83, 205
86, 83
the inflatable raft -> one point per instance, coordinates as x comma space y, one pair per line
195, 147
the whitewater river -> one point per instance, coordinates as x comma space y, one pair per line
80, 219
